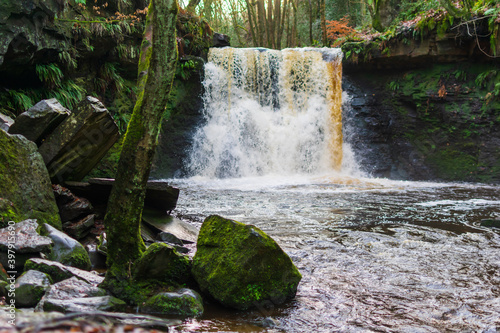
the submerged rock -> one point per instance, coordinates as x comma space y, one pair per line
24, 181
67, 250
183, 302
79, 142
59, 272
30, 288
241, 267
40, 120
162, 262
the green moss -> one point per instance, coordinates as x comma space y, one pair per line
454, 165
183, 302
240, 266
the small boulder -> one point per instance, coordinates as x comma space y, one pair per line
162, 262
67, 250
40, 120
25, 182
85, 304
242, 267
183, 302
79, 142
28, 243
30, 288
76, 208
59, 272
81, 228
5, 122
69, 289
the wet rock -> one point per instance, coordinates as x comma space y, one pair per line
162, 262
85, 304
40, 120
69, 289
27, 239
5, 122
27, 319
79, 142
166, 223
183, 302
67, 250
221, 40
80, 228
169, 238
59, 272
30, 288
77, 208
241, 267
62, 195
28, 243
24, 181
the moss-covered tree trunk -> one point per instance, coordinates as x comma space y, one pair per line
156, 72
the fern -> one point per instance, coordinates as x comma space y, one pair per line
68, 60
69, 94
20, 101
51, 75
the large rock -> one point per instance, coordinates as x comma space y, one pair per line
24, 181
80, 141
59, 272
241, 267
40, 120
27, 244
183, 302
30, 288
162, 262
67, 250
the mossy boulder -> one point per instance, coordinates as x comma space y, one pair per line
162, 262
59, 272
67, 250
25, 182
242, 267
183, 302
30, 288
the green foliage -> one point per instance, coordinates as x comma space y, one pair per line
69, 94
51, 75
186, 69
394, 85
69, 61
19, 100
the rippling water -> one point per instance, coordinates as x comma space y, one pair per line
375, 255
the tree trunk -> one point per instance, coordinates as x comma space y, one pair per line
323, 23
250, 22
277, 24
157, 65
310, 23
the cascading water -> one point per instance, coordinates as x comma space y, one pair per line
270, 112
376, 255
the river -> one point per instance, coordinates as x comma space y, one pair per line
376, 255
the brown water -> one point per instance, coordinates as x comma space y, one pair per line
375, 255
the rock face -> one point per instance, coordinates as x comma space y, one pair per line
162, 262
424, 123
183, 302
241, 267
66, 250
5, 122
24, 181
79, 142
30, 288
40, 120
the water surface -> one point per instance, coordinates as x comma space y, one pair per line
375, 255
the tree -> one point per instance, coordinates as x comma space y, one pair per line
157, 66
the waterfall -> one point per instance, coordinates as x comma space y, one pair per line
269, 112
